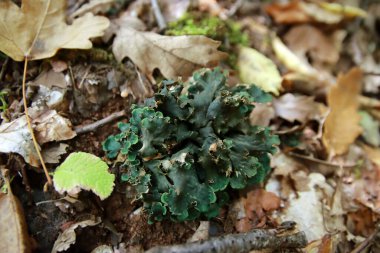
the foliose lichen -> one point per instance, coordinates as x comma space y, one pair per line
186, 147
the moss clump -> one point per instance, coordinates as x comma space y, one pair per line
227, 31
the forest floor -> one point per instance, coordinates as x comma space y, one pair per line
320, 60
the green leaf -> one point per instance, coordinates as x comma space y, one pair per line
84, 171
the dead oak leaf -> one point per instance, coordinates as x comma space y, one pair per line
342, 125
173, 55
13, 229
300, 108
38, 29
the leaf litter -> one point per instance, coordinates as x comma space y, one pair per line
325, 176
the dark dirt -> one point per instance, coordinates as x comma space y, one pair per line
122, 220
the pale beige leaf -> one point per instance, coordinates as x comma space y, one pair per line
173, 55
256, 68
292, 61
13, 230
342, 125
321, 15
68, 237
38, 29
301, 108
346, 10
48, 125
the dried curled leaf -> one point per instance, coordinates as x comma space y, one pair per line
13, 229
68, 237
173, 55
38, 29
342, 124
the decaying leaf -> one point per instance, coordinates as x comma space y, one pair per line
50, 79
305, 39
49, 126
13, 230
68, 237
289, 13
292, 61
255, 68
262, 115
341, 127
373, 154
300, 108
84, 171
53, 154
304, 12
257, 203
306, 208
38, 29
173, 55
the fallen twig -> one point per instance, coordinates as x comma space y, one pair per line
93, 126
245, 242
316, 160
158, 15
373, 238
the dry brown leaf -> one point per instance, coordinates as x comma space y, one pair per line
50, 79
68, 237
212, 7
257, 203
301, 108
289, 13
173, 55
305, 39
13, 230
38, 29
50, 126
342, 127
262, 115
373, 154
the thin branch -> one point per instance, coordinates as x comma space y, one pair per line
3, 68
158, 15
255, 240
235, 7
93, 126
316, 160
35, 143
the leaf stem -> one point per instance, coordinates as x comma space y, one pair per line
36, 146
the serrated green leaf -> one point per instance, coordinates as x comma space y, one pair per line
85, 171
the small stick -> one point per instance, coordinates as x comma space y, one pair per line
35, 143
158, 15
93, 126
316, 160
255, 240
2, 72
235, 7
